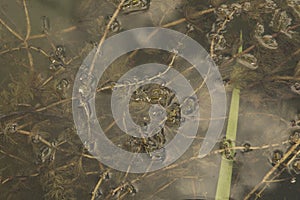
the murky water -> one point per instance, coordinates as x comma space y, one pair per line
44, 42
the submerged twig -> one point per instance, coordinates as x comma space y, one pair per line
266, 177
179, 21
66, 30
27, 21
112, 19
162, 188
13, 156
53, 105
11, 30
94, 193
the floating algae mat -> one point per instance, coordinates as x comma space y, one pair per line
44, 44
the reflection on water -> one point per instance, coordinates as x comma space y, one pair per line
42, 45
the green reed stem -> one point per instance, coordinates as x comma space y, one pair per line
225, 174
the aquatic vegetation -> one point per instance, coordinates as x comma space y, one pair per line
115, 26
296, 88
130, 6
276, 156
247, 60
247, 147
268, 42
42, 47
45, 24
295, 166
280, 21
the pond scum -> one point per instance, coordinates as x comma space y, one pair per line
40, 152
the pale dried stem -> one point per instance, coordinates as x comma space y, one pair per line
30, 134
293, 158
163, 188
23, 47
28, 30
285, 78
39, 50
114, 16
13, 156
96, 188
66, 30
267, 146
41, 139
51, 77
11, 30
114, 191
53, 105
30, 59
265, 114
10, 50
266, 177
258, 195
123, 195
179, 21
227, 63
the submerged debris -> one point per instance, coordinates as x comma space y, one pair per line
294, 5
44, 154
98, 194
11, 128
135, 5
153, 146
62, 87
45, 24
267, 41
294, 137
60, 52
124, 188
297, 70
189, 105
296, 166
280, 21
296, 88
293, 180
115, 26
259, 30
276, 156
247, 60
270, 5
247, 147
57, 59
226, 145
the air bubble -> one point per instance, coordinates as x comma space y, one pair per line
189, 106
158, 155
87, 79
